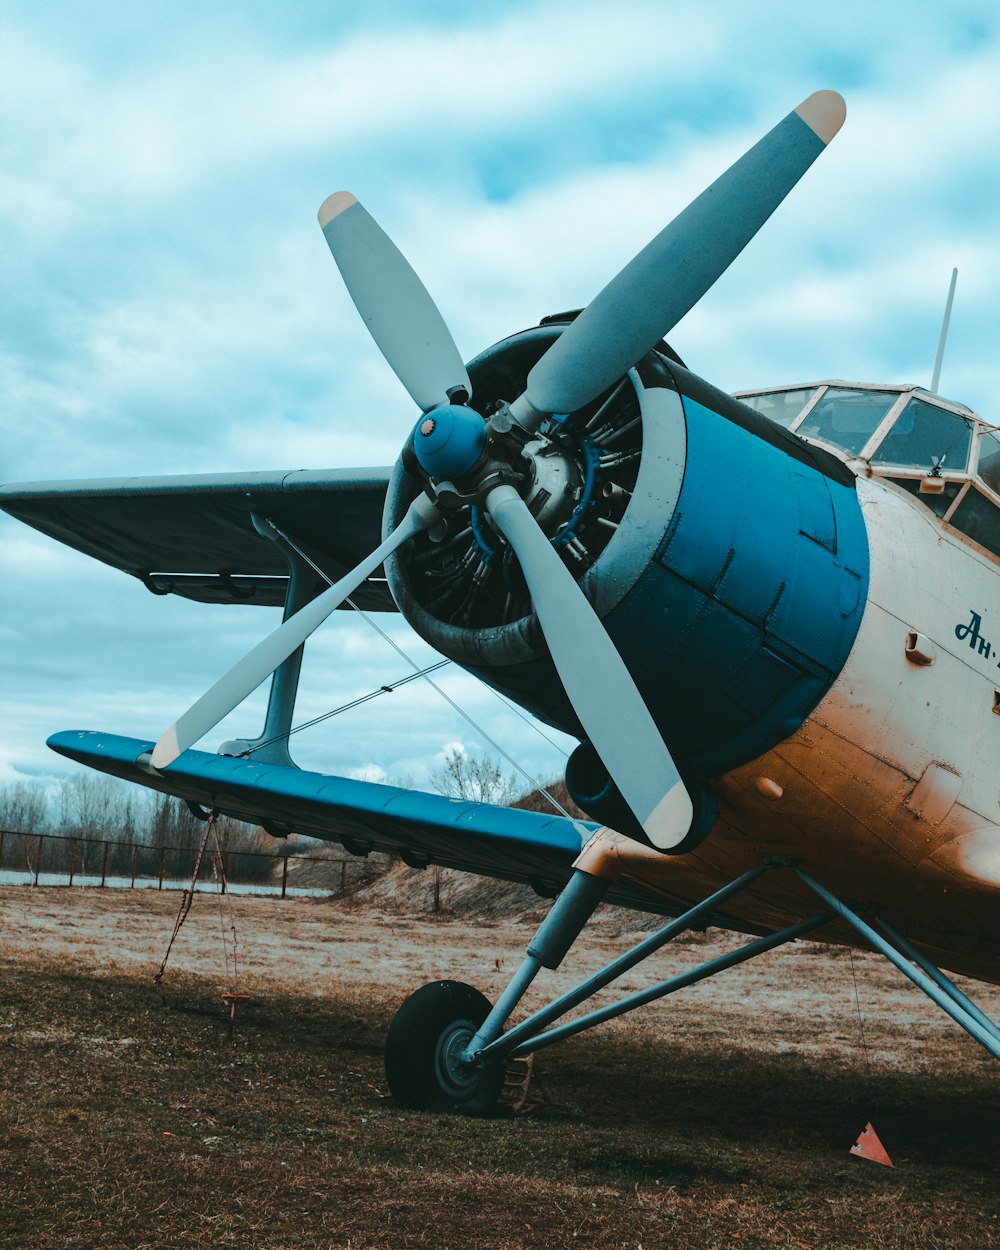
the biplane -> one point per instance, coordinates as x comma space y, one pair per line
771, 620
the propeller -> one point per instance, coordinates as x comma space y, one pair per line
633, 312
643, 303
257, 665
601, 689
394, 304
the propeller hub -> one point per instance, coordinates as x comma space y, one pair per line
449, 442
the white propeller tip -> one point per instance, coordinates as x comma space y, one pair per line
166, 750
823, 112
333, 206
669, 821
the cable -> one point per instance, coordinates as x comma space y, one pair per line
512, 707
345, 707
861, 1019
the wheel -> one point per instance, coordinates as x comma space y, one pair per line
426, 1037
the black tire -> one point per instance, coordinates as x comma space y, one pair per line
425, 1037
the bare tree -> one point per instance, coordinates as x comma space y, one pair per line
24, 807
92, 805
478, 778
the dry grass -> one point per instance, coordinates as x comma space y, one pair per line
721, 1118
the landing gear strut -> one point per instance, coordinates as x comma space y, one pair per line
448, 1048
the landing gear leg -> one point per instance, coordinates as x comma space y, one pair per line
448, 1049
430, 1053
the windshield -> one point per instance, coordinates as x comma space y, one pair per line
926, 437
989, 459
847, 418
781, 406
943, 458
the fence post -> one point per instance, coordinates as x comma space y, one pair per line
104, 866
162, 853
343, 875
2, 832
135, 860
284, 874
38, 857
72, 859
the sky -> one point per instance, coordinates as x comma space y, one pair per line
168, 303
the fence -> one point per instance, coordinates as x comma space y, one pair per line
66, 860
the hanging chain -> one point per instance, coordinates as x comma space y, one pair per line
231, 994
187, 897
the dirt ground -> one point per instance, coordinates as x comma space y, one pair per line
722, 1116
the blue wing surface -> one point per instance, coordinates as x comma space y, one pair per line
194, 536
361, 816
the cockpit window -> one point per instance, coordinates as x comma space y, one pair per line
780, 406
939, 453
847, 418
979, 517
927, 437
989, 459
939, 501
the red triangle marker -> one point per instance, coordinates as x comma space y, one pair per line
868, 1146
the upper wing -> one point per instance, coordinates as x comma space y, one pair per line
194, 535
422, 828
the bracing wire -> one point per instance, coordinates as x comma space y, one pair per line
532, 780
512, 707
346, 707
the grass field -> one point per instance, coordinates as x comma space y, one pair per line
722, 1117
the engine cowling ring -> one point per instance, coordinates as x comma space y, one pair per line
637, 448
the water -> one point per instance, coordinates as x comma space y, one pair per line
14, 876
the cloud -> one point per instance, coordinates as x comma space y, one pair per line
170, 305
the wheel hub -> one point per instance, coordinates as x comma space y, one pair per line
455, 1075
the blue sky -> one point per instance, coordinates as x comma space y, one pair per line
167, 302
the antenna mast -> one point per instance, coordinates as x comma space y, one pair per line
944, 333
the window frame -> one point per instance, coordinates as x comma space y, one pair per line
969, 476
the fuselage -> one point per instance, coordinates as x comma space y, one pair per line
812, 617
889, 789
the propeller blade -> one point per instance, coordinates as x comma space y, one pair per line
247, 674
600, 687
653, 292
403, 319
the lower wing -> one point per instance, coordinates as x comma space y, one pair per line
361, 816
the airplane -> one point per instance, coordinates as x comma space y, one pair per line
771, 620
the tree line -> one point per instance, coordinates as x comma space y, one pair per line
106, 825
